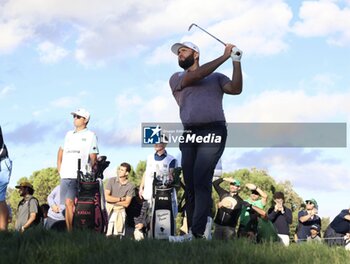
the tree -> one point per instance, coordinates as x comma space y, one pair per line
137, 174
44, 181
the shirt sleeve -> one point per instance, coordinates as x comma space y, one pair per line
131, 191
343, 213
94, 147
109, 185
176, 80
51, 197
33, 206
172, 164
223, 80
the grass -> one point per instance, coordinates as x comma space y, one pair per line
38, 246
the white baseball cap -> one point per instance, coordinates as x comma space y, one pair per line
175, 48
82, 112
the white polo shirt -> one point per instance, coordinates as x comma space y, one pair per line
153, 166
77, 145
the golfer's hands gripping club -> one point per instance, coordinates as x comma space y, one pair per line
236, 54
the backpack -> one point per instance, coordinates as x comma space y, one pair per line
39, 216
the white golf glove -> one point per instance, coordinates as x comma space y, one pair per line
236, 54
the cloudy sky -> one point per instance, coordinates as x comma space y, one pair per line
113, 58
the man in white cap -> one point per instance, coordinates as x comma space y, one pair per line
198, 91
79, 143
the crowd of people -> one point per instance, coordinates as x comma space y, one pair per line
198, 91
234, 218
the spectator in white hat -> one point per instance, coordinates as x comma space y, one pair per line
79, 143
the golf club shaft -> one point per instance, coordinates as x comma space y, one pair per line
223, 43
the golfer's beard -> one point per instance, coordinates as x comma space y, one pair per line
188, 62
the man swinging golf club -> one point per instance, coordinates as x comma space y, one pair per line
198, 91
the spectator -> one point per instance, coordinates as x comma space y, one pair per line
339, 229
162, 165
281, 217
28, 208
79, 144
142, 222
229, 209
5, 174
119, 193
314, 234
56, 210
259, 228
44, 211
307, 218
257, 198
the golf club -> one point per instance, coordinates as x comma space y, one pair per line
193, 24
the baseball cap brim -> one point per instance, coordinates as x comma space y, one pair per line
175, 48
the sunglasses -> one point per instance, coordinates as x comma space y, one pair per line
309, 203
77, 116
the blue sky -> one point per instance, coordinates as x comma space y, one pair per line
113, 58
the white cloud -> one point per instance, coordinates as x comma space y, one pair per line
325, 18
291, 106
119, 29
51, 53
12, 33
5, 91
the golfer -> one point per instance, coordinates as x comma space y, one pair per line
198, 91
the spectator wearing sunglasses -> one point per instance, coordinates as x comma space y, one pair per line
79, 143
307, 218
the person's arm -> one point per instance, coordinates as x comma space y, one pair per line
30, 220
218, 188
93, 159
93, 151
142, 185
203, 71
123, 201
272, 214
236, 84
305, 217
51, 200
260, 211
288, 215
263, 195
59, 159
33, 210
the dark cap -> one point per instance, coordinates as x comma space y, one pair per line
25, 184
316, 227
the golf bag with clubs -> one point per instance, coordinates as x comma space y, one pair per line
90, 205
164, 208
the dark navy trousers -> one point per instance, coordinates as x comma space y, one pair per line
198, 163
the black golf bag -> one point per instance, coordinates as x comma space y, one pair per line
163, 219
90, 205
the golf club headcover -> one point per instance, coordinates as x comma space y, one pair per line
236, 54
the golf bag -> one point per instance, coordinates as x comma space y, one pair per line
163, 209
90, 205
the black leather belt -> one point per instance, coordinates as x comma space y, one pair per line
205, 125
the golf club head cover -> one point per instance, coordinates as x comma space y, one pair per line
236, 54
